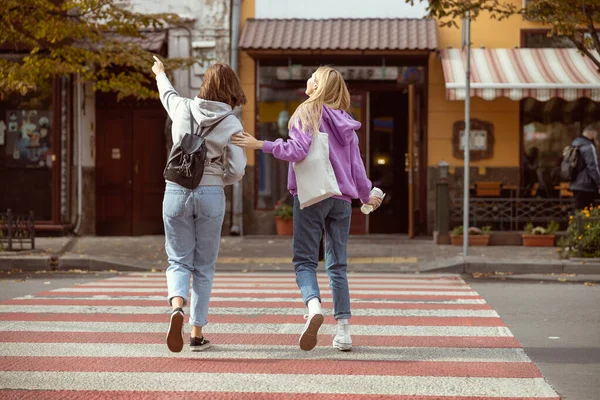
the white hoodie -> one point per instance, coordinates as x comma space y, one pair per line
226, 170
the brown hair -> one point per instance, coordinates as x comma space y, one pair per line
222, 84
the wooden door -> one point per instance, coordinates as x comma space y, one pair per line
114, 175
149, 160
131, 157
412, 160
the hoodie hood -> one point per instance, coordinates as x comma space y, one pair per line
341, 124
207, 112
582, 141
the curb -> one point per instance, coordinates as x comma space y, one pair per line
468, 266
555, 267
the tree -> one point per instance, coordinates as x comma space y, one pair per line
99, 39
574, 19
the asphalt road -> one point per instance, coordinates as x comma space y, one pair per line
558, 324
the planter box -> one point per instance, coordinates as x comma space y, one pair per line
285, 227
538, 240
474, 240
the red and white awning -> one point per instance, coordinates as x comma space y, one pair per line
520, 73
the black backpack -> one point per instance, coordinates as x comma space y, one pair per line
188, 157
571, 164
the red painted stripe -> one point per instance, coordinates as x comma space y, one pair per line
242, 304
171, 395
260, 282
236, 288
262, 339
253, 319
264, 366
267, 295
320, 277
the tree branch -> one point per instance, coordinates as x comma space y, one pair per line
593, 32
581, 47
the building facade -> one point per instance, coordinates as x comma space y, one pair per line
404, 76
383, 54
83, 161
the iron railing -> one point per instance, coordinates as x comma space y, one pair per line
17, 230
513, 213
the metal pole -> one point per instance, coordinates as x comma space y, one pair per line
237, 222
467, 136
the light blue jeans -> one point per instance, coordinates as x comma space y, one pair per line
193, 221
333, 215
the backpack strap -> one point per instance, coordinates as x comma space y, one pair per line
204, 133
192, 124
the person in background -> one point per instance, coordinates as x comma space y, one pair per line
530, 166
586, 185
326, 110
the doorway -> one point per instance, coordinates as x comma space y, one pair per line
388, 146
130, 148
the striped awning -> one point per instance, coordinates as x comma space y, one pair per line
521, 73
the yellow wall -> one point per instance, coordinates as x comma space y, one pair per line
247, 73
502, 113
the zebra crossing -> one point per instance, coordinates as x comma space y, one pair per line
419, 337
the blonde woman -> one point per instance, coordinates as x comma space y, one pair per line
326, 110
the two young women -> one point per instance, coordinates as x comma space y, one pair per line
193, 218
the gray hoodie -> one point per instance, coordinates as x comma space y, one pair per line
226, 170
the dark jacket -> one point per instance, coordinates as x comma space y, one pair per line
588, 179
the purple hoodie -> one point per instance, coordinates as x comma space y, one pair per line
344, 154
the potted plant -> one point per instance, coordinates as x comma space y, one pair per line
538, 236
284, 221
477, 237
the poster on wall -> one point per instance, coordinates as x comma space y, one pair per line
29, 138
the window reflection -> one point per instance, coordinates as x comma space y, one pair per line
547, 128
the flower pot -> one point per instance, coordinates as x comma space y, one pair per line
538, 240
474, 240
284, 226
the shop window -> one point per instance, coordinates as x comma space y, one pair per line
547, 128
278, 101
26, 148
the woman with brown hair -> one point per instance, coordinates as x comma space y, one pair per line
193, 217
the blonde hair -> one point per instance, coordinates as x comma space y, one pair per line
331, 92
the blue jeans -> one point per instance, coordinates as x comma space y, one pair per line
333, 215
193, 220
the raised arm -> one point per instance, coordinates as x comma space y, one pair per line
169, 97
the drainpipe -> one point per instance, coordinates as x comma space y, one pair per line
237, 206
79, 155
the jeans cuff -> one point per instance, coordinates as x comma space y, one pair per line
194, 323
314, 296
342, 316
185, 300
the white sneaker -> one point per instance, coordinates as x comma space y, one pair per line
341, 338
308, 338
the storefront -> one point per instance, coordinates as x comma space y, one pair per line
528, 104
34, 144
387, 78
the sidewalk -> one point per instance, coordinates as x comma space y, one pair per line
375, 253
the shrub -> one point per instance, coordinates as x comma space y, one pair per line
589, 239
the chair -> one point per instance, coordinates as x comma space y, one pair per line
488, 189
534, 189
565, 189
